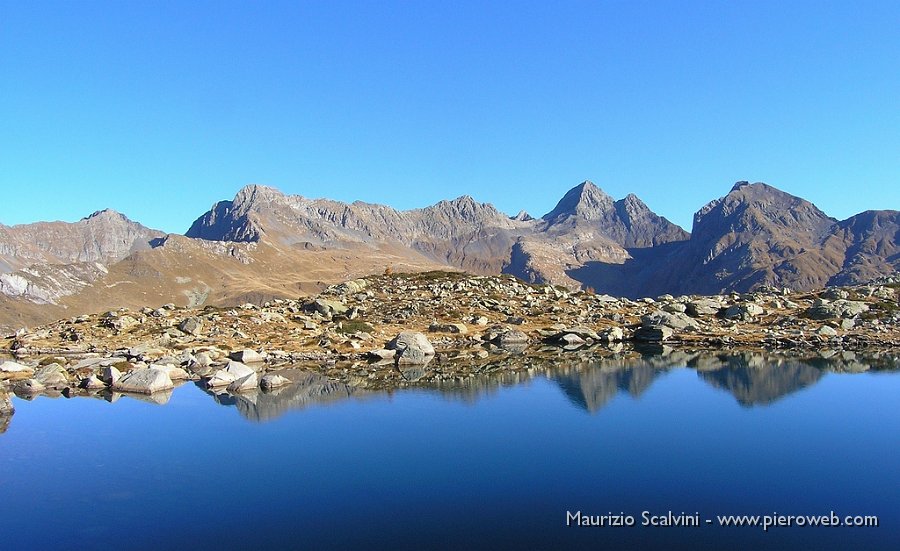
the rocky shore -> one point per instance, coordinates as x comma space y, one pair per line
427, 328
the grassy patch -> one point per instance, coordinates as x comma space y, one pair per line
355, 326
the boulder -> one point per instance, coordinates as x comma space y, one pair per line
174, 373
411, 340
273, 380
247, 356
825, 309
613, 334
570, 339
703, 306
382, 354
52, 376
243, 384
110, 375
231, 373
10, 367
192, 325
92, 383
653, 334
675, 320
505, 336
745, 311
327, 308
144, 381
28, 387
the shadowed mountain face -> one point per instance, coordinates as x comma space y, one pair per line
754, 236
263, 244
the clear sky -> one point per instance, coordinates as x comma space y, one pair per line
158, 109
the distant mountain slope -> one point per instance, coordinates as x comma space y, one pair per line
264, 244
104, 236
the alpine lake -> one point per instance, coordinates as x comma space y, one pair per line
555, 457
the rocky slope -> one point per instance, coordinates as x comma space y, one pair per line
441, 328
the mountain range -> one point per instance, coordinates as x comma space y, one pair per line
264, 244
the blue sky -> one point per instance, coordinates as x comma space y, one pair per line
158, 109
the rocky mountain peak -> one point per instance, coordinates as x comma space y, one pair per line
585, 201
254, 194
523, 216
106, 214
759, 207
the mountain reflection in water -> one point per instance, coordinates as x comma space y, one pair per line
589, 383
754, 379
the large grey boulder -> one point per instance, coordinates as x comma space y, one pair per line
52, 376
28, 387
144, 381
174, 373
675, 320
745, 311
703, 306
231, 373
412, 347
243, 384
92, 383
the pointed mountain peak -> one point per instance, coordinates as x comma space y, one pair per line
633, 202
585, 200
523, 216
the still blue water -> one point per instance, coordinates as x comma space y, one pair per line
493, 464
